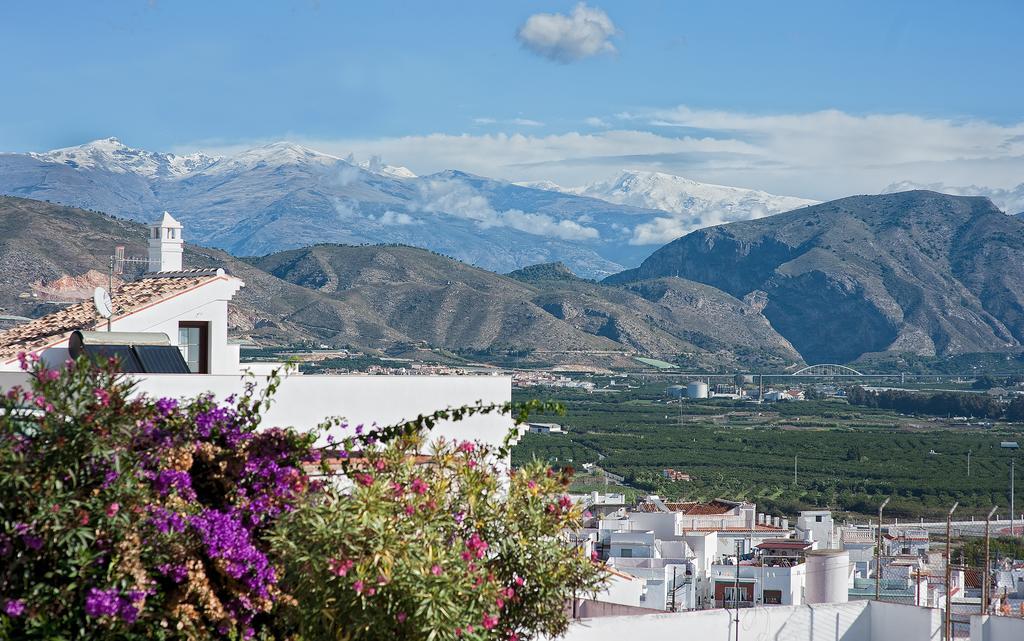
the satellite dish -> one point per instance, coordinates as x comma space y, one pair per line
101, 299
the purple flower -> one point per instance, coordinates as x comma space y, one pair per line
176, 573
14, 607
167, 480
227, 539
165, 520
109, 602
109, 478
100, 603
165, 406
32, 541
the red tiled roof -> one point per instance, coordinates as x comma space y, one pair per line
131, 297
692, 508
783, 544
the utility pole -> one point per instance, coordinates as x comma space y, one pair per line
736, 590
949, 572
795, 458
1012, 531
968, 463
878, 552
988, 563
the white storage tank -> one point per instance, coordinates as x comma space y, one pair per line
697, 389
828, 575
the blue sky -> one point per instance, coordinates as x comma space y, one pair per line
753, 93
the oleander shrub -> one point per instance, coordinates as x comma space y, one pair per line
128, 517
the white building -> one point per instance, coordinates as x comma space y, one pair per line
189, 309
817, 527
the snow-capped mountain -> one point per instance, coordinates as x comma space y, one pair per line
282, 195
1010, 201
693, 204
375, 165
110, 154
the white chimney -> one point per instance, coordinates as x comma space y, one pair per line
165, 245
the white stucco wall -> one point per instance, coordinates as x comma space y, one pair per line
622, 591
990, 628
856, 621
304, 401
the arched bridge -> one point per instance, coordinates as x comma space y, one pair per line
827, 369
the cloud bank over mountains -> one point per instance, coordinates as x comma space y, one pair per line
817, 155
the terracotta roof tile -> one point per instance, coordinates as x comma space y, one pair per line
694, 508
129, 298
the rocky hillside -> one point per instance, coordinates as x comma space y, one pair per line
384, 295
915, 272
544, 308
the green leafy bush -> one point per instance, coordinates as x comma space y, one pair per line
127, 517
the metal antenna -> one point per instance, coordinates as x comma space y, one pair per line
115, 265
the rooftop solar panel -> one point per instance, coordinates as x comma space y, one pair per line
161, 359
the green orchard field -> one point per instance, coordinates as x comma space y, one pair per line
848, 458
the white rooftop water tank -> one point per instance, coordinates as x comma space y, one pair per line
697, 389
828, 574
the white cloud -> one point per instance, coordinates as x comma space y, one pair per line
659, 231
517, 122
594, 121
585, 32
395, 218
456, 198
819, 155
1009, 200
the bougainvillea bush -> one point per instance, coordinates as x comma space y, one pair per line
125, 517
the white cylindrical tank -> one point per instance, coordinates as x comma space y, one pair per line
828, 574
697, 389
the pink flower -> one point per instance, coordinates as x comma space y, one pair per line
467, 446
364, 479
358, 586
490, 621
593, 555
437, 570
520, 581
565, 502
499, 602
512, 636
401, 617
410, 510
418, 486
371, 591
102, 396
340, 567
382, 580
531, 484
379, 465
112, 509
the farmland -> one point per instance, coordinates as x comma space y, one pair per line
848, 458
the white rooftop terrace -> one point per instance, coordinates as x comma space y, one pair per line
854, 621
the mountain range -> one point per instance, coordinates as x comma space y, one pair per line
914, 271
284, 196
